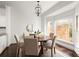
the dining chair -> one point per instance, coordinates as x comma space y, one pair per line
31, 47
50, 37
19, 45
50, 44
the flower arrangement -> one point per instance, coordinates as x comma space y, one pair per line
37, 32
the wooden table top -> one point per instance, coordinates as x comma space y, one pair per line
45, 38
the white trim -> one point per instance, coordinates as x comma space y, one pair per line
65, 44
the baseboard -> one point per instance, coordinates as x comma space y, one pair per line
65, 44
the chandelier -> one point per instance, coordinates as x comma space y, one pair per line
38, 9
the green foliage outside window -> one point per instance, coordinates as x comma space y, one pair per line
70, 32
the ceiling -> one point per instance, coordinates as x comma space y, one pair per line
45, 5
29, 6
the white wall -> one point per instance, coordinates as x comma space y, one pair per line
5, 21
76, 40
2, 17
8, 23
20, 18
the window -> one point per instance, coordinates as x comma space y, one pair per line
64, 31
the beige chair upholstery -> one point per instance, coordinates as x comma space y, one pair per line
51, 35
31, 47
19, 45
50, 44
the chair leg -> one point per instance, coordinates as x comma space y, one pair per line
51, 53
20, 52
54, 51
17, 52
23, 52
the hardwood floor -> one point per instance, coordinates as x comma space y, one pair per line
11, 51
